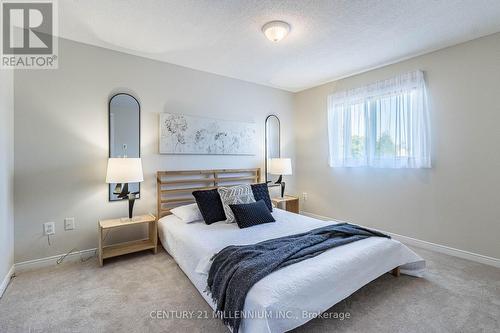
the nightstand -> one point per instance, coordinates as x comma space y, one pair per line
290, 203
109, 251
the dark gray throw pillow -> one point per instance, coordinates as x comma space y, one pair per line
261, 192
251, 214
210, 205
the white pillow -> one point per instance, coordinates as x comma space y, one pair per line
188, 213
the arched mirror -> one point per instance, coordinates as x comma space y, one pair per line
272, 141
124, 134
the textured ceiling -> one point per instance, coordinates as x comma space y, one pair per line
328, 40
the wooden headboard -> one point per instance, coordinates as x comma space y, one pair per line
174, 188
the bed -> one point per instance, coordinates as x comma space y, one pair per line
289, 297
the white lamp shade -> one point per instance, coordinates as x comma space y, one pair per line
124, 170
280, 166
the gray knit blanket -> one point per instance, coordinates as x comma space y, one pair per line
235, 269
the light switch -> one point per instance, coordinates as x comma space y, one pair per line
69, 223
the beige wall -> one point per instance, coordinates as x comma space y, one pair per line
457, 202
61, 137
6, 172
61, 146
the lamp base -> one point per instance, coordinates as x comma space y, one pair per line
282, 183
131, 201
133, 219
124, 193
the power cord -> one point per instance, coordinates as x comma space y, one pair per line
61, 258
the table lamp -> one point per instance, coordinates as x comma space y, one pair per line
123, 171
281, 167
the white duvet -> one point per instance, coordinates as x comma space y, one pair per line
289, 297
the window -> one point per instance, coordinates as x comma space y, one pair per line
382, 125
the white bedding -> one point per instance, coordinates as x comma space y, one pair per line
288, 297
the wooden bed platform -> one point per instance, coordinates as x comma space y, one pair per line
175, 188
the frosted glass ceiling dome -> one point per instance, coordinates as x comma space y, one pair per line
276, 30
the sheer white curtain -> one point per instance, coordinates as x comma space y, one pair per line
384, 124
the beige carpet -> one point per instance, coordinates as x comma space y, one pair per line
455, 296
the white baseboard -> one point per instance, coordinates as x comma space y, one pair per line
6, 280
429, 246
51, 261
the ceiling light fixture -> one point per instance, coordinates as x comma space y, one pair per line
276, 30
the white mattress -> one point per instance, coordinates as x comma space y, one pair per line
286, 298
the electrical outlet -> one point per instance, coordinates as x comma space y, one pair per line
69, 223
304, 196
49, 228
